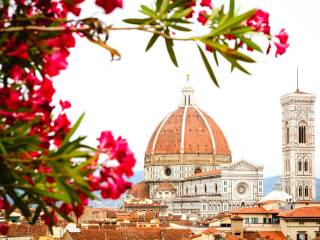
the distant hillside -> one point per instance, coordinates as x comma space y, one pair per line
270, 181
138, 176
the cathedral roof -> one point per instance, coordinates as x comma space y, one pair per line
140, 190
205, 174
188, 130
165, 186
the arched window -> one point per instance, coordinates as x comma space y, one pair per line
302, 132
300, 191
306, 166
287, 133
306, 191
300, 165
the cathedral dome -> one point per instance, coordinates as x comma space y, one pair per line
188, 130
187, 134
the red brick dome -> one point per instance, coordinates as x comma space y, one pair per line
188, 130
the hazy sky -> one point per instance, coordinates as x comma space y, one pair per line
131, 96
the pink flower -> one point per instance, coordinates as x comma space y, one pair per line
54, 63
61, 124
120, 149
206, 3
66, 208
109, 5
259, 22
50, 219
78, 210
202, 18
16, 72
64, 104
4, 228
283, 36
209, 48
21, 51
281, 48
106, 140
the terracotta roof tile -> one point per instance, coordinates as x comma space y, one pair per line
16, 230
140, 190
205, 174
166, 139
165, 186
304, 212
277, 235
250, 210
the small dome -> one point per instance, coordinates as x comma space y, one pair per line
277, 196
140, 190
165, 186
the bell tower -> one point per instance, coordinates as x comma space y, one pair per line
298, 146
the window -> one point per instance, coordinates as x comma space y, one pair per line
205, 188
216, 187
254, 220
302, 132
287, 136
300, 191
302, 236
300, 165
306, 166
306, 191
247, 220
195, 189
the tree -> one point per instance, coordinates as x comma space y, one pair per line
45, 170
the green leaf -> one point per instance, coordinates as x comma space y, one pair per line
169, 44
241, 31
180, 28
215, 57
3, 149
230, 23
207, 64
228, 51
177, 20
72, 130
181, 14
148, 11
231, 8
158, 4
164, 6
235, 64
152, 41
251, 44
136, 20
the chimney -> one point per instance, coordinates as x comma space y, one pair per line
237, 226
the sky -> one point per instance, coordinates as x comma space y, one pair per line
131, 96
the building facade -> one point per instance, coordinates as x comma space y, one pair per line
298, 146
188, 165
